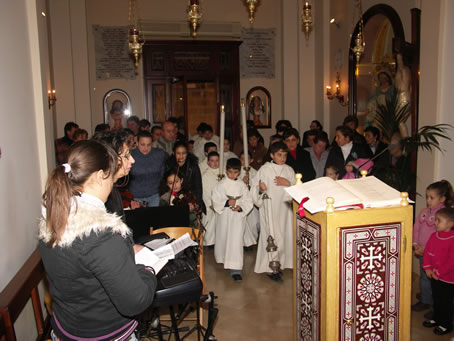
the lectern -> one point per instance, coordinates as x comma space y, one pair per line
352, 275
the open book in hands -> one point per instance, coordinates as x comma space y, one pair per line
161, 255
368, 192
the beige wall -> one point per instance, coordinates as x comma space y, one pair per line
23, 162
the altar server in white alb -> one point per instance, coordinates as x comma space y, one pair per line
251, 231
271, 179
232, 202
209, 182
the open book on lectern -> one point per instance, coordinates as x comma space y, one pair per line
368, 192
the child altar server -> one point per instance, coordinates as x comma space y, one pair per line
275, 210
232, 202
209, 181
251, 232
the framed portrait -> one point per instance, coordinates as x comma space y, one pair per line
117, 108
258, 107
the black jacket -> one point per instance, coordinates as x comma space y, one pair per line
336, 158
192, 176
95, 284
302, 164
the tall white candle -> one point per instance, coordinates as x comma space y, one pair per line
221, 142
244, 127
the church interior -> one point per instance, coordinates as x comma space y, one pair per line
51, 47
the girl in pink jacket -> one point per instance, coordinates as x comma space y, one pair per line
439, 267
438, 195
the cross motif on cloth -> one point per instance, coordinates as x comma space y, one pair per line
371, 257
369, 318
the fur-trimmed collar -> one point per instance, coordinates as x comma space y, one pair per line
84, 220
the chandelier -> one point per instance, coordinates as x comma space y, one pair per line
194, 15
360, 44
306, 19
135, 39
251, 5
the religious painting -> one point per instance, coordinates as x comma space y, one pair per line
117, 108
258, 101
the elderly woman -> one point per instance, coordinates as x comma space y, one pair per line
88, 254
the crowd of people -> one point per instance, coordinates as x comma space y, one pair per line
164, 169
237, 204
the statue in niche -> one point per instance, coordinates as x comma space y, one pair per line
403, 81
383, 91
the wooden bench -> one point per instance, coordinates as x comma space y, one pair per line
16, 294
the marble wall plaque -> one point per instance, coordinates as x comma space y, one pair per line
257, 53
112, 53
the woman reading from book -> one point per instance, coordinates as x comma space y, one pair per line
88, 254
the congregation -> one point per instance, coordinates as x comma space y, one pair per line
164, 169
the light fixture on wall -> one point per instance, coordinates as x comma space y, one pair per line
51, 97
251, 5
333, 21
337, 93
306, 19
135, 39
194, 15
360, 44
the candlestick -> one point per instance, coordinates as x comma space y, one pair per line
244, 127
221, 143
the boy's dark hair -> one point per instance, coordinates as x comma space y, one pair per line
210, 154
144, 123
154, 128
374, 130
277, 146
448, 213
133, 118
233, 163
206, 127
444, 189
351, 118
208, 145
143, 134
69, 126
201, 126
322, 136
291, 132
319, 125
253, 132
346, 131
282, 125
333, 167
102, 127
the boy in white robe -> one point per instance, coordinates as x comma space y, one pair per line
209, 181
228, 154
207, 136
271, 179
232, 202
251, 231
208, 148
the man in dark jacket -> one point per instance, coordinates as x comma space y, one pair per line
298, 158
